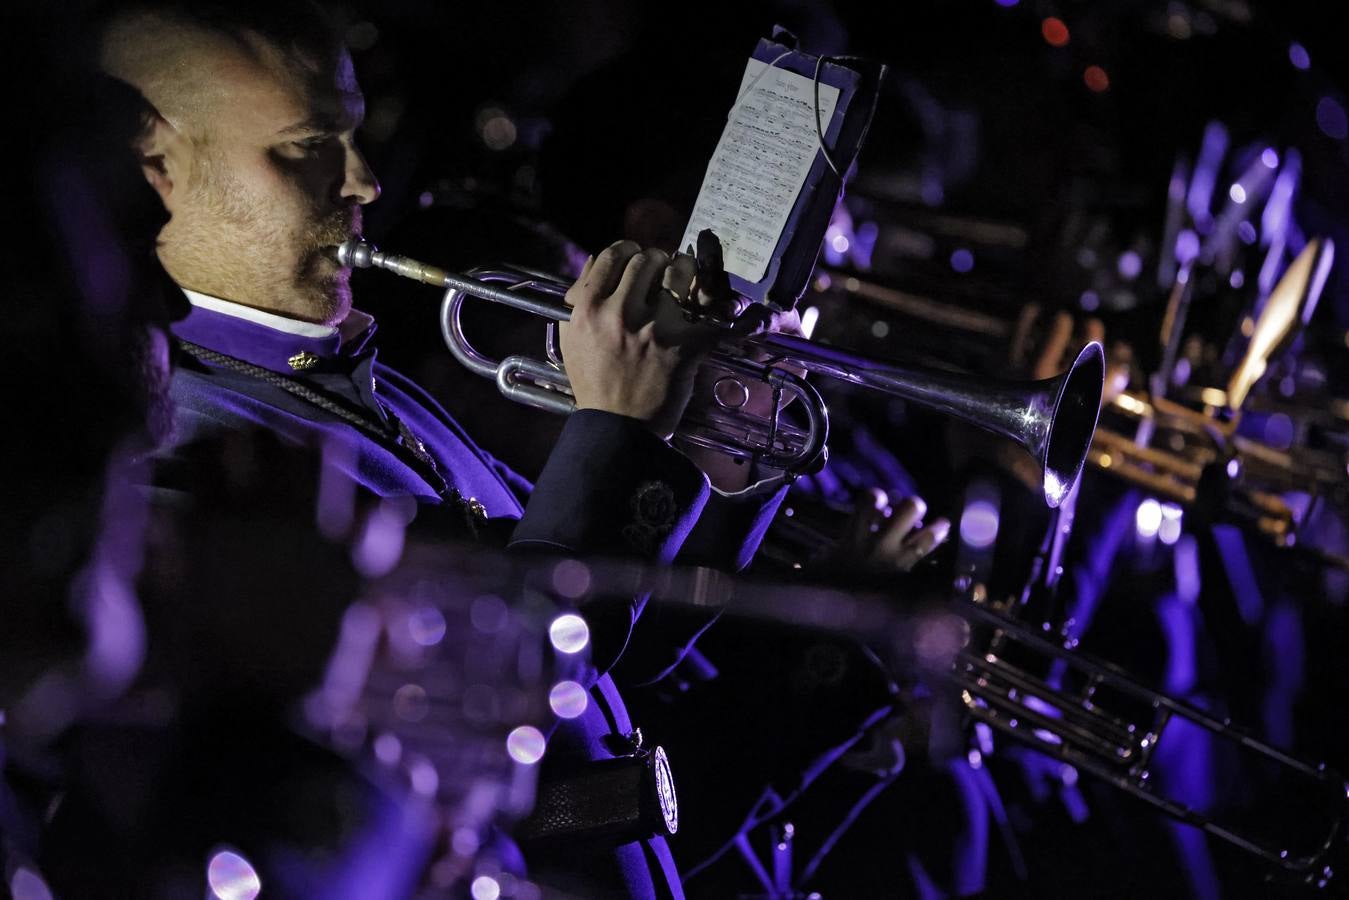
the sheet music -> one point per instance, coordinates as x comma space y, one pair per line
760, 166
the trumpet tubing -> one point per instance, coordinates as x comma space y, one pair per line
1052, 419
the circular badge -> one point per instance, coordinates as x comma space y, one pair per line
665, 789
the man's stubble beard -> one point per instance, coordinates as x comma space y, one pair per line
320, 242
229, 246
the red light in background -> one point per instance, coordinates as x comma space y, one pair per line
1096, 79
1055, 32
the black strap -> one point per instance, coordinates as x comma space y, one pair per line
398, 439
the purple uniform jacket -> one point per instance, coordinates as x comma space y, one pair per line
609, 487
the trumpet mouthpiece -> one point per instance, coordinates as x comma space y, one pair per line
356, 253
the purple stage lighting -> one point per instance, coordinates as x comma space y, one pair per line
526, 745
1148, 519
1298, 56
1331, 119
232, 877
979, 524
569, 633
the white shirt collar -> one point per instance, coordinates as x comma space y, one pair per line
355, 324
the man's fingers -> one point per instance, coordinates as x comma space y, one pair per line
712, 287
685, 284
678, 276
923, 542
909, 512
602, 276
873, 506
634, 288
755, 318
725, 307
713, 294
788, 322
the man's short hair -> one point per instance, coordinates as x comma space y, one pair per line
153, 44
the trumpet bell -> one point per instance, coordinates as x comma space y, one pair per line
1053, 419
1068, 432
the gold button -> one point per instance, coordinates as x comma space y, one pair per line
303, 360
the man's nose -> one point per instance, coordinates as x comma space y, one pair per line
359, 185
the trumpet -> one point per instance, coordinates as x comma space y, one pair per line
1052, 419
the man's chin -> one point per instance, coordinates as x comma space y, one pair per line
327, 285
331, 299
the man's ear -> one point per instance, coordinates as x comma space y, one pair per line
164, 154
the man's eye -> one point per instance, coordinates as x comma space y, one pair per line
311, 145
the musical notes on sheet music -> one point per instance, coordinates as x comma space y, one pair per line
760, 166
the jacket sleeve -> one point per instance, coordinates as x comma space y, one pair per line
612, 488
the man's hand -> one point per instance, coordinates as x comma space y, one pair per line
881, 539
629, 347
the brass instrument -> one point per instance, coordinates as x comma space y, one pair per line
1035, 687
1052, 419
1203, 440
1092, 715
1026, 683
1007, 675
1208, 438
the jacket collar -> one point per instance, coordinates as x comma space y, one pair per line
277, 343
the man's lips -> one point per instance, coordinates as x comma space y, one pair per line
328, 251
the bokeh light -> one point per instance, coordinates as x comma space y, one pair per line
568, 699
232, 877
1169, 530
1055, 32
571, 578
1331, 119
485, 887
569, 633
426, 626
26, 884
526, 745
1148, 519
979, 524
1298, 56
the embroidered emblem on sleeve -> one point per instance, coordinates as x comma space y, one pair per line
654, 510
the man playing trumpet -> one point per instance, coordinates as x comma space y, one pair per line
252, 151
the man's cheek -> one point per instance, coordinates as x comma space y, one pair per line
310, 179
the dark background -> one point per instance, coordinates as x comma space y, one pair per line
644, 87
